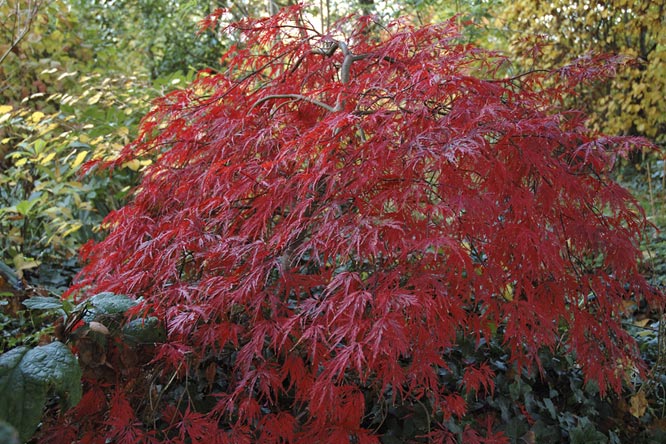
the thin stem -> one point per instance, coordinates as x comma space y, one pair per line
327, 107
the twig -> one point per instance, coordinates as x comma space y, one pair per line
648, 172
332, 109
519, 76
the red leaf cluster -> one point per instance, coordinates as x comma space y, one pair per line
322, 219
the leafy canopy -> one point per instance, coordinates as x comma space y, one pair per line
327, 216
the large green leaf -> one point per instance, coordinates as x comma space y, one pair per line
27, 376
104, 304
144, 331
43, 303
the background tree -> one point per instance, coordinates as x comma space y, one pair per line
632, 102
476, 18
58, 108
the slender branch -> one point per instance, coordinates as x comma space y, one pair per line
327, 107
519, 76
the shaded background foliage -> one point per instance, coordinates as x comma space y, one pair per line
84, 73
557, 31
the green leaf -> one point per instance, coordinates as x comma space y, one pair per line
10, 275
24, 206
106, 304
587, 435
27, 376
40, 144
516, 428
550, 407
144, 331
43, 303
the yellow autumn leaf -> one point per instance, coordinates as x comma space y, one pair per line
36, 116
638, 404
67, 74
623, 107
642, 322
5, 109
136, 164
79, 159
74, 228
48, 129
507, 292
47, 159
94, 99
133, 165
21, 264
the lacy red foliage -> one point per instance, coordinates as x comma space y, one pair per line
324, 218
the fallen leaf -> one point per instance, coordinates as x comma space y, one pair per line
642, 322
638, 404
98, 327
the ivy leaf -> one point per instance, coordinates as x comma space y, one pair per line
587, 435
106, 303
144, 331
550, 407
43, 303
27, 376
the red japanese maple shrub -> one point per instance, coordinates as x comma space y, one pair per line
324, 218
